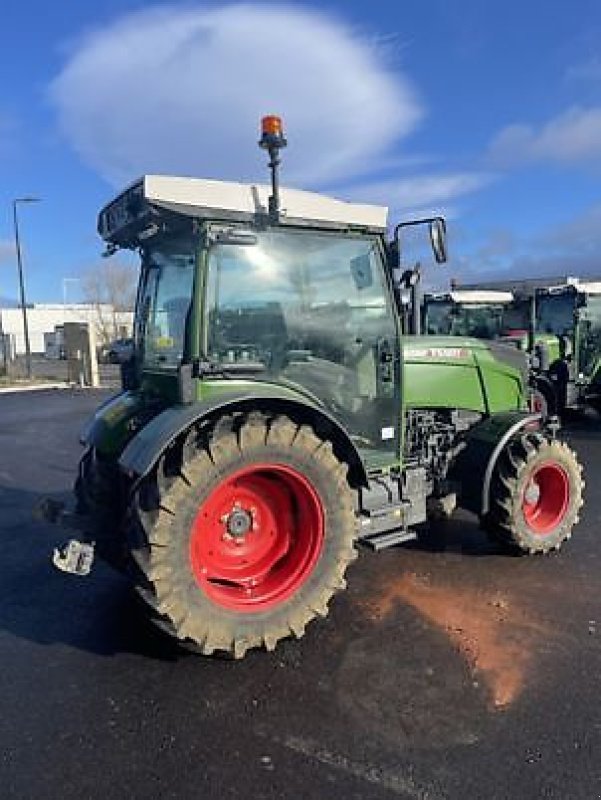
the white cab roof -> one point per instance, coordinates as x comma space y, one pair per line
586, 287
199, 197
592, 287
583, 287
475, 296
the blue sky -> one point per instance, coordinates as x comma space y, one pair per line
488, 112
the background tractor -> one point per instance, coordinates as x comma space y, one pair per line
559, 324
275, 413
467, 312
567, 341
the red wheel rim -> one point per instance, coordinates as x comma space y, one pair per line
257, 537
546, 498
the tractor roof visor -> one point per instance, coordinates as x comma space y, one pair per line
158, 203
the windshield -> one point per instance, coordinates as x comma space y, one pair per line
164, 302
446, 318
310, 309
516, 316
555, 313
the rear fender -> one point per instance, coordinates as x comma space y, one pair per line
484, 444
145, 448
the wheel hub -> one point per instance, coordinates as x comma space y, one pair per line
239, 523
532, 493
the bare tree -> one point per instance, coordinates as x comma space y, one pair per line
110, 287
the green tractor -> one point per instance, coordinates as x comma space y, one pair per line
493, 313
275, 414
567, 345
466, 312
558, 326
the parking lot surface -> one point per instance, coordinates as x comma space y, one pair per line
446, 670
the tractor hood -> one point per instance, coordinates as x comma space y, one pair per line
456, 372
460, 350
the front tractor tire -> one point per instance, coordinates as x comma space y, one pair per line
249, 540
536, 494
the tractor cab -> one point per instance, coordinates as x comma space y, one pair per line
569, 318
469, 312
230, 294
302, 303
258, 284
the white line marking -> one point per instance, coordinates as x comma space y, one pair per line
367, 772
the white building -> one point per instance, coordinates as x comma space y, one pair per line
44, 317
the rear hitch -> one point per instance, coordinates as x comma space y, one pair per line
75, 557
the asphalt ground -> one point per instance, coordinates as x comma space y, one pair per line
448, 670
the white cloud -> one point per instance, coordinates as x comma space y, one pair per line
570, 138
180, 90
415, 194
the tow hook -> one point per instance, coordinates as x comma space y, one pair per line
75, 557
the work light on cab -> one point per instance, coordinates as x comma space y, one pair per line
272, 132
273, 140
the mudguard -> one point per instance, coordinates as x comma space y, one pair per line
484, 443
144, 449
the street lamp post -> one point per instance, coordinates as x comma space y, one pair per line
21, 278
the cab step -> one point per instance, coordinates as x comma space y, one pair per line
380, 541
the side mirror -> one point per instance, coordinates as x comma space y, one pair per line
438, 239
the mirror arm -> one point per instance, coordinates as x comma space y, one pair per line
413, 222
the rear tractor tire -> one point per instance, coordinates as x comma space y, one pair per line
250, 540
536, 494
